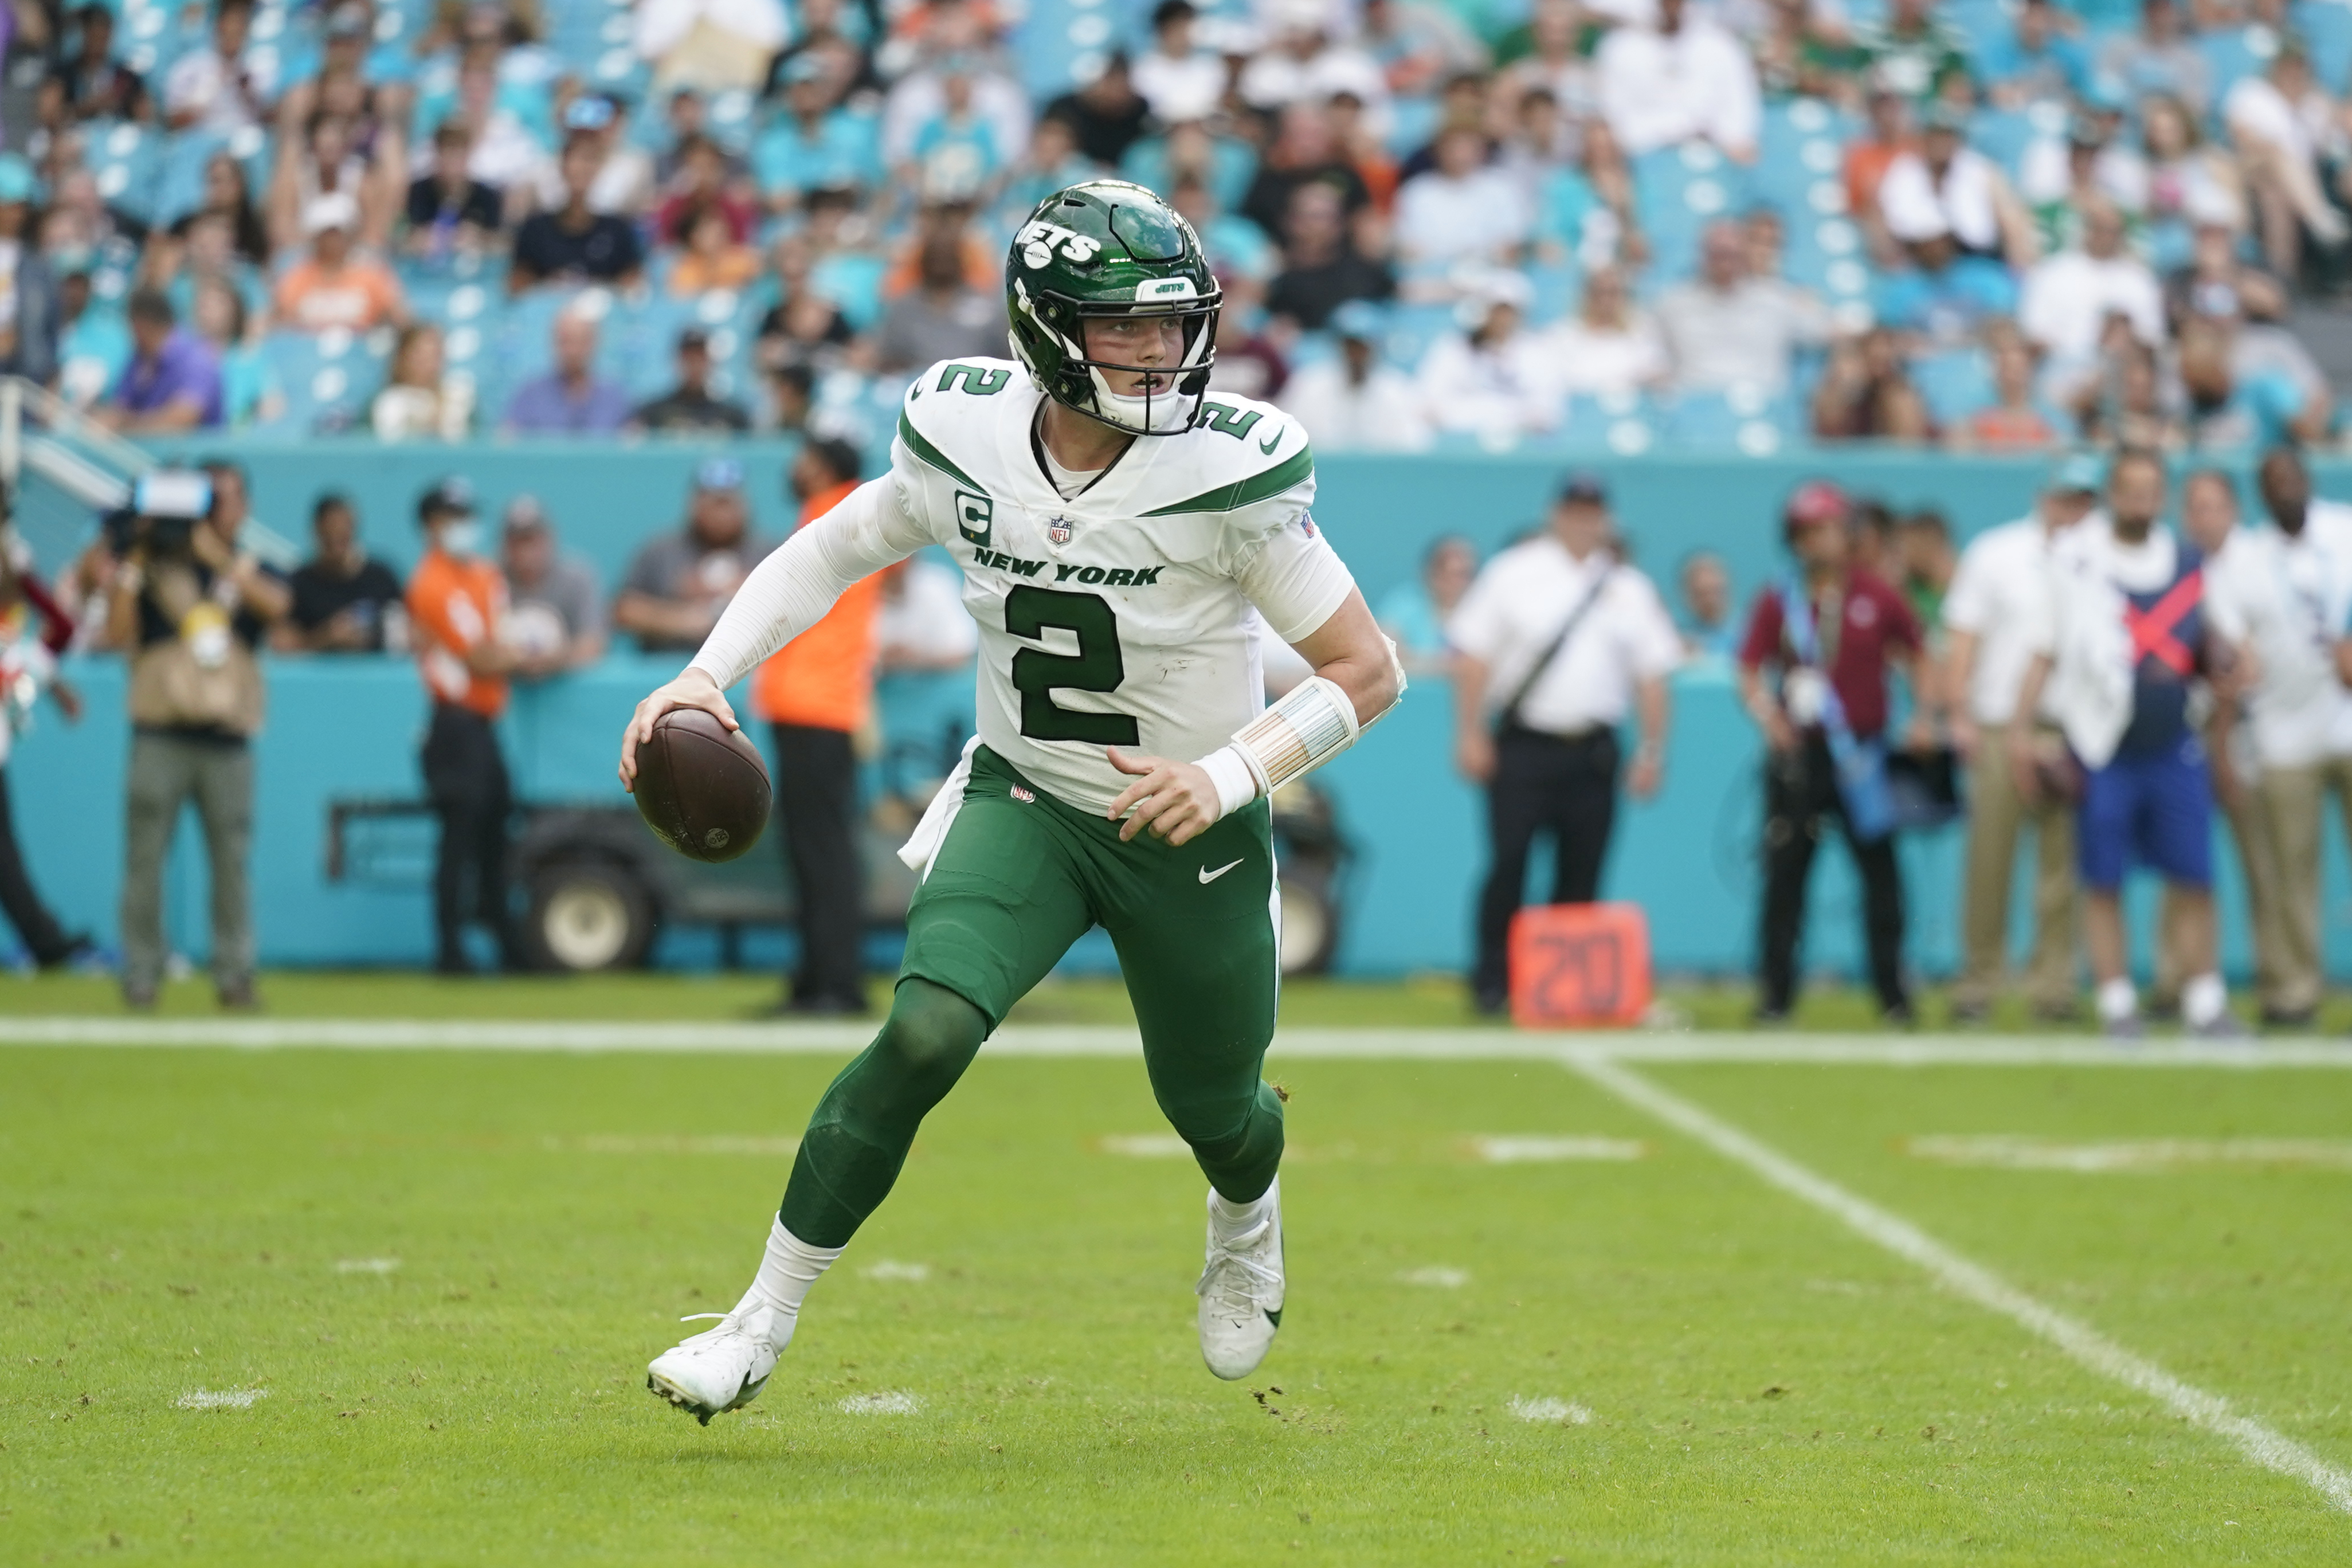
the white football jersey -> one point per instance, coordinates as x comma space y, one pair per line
1124, 615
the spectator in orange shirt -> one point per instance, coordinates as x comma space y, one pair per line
1871, 155
457, 607
816, 692
336, 285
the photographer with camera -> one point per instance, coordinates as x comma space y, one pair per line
189, 609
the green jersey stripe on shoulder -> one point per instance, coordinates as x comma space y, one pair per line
1243, 492
932, 454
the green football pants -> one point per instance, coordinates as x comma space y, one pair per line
1021, 876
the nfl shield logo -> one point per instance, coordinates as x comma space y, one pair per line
1058, 531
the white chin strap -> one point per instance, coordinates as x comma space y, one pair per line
1156, 415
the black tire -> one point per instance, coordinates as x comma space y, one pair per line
588, 914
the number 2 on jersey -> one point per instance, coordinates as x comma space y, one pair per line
1097, 665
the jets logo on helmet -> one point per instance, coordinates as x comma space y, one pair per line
1038, 241
1110, 249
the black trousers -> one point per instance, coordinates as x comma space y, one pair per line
466, 778
1800, 792
43, 937
816, 796
1542, 783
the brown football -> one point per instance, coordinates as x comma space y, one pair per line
701, 788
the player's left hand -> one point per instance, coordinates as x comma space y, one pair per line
1178, 801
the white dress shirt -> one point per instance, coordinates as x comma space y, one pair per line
1660, 91
1516, 607
1999, 594
2286, 597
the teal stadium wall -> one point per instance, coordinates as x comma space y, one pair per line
345, 728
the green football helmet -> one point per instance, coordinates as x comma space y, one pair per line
1110, 248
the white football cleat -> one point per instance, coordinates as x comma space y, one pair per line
723, 1368
1241, 1293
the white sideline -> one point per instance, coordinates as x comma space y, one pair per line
1064, 1040
2086, 1345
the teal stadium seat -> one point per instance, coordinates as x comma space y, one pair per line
329, 378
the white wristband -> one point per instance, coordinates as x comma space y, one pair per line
1315, 721
1236, 784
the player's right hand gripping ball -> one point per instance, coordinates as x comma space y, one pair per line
701, 788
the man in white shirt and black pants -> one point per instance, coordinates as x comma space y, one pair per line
1995, 605
1555, 642
2289, 587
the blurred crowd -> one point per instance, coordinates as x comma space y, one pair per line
1624, 222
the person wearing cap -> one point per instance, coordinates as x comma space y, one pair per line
337, 285
680, 582
2130, 629
570, 399
345, 600
1554, 644
1815, 681
575, 243
172, 381
690, 408
816, 692
191, 617
1356, 400
555, 614
28, 291
456, 615
1989, 617
2289, 584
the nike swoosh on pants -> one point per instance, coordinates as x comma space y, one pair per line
1208, 876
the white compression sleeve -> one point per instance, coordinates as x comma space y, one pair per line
791, 590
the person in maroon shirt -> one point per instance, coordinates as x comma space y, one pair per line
1862, 628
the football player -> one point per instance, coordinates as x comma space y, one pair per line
1121, 531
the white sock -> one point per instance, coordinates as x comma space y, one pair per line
2117, 1001
1231, 1219
790, 1268
2203, 1000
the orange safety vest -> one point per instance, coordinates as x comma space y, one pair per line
823, 678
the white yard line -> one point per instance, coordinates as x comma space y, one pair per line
1963, 1276
1063, 1040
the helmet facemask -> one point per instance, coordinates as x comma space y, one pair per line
1082, 381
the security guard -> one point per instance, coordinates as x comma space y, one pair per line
1556, 641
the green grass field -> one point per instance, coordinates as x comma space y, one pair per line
438, 1276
